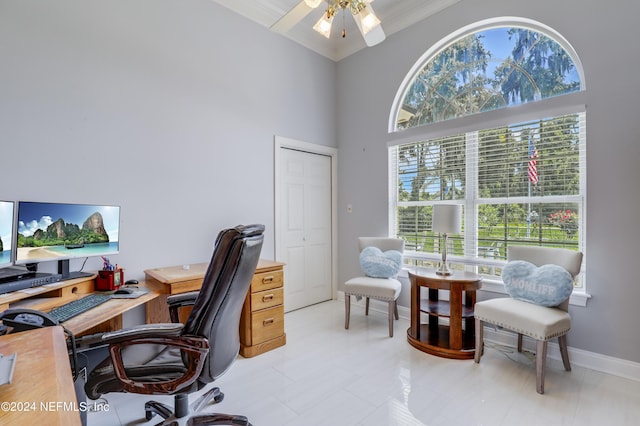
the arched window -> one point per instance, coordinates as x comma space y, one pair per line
487, 66
518, 172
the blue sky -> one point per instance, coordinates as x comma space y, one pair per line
497, 41
32, 215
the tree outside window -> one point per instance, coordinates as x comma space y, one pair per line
521, 183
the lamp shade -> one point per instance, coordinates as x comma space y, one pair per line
447, 218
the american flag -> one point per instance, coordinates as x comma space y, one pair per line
532, 168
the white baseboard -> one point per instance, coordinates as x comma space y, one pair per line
578, 357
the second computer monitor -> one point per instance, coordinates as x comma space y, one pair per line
60, 231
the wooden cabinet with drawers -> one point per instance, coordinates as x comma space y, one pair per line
262, 320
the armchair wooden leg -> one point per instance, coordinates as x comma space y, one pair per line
395, 308
366, 307
391, 315
519, 342
347, 310
541, 361
479, 340
562, 342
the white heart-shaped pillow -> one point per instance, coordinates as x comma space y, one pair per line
378, 264
547, 285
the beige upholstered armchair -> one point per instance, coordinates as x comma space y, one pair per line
385, 289
539, 322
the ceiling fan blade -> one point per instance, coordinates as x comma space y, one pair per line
291, 18
375, 36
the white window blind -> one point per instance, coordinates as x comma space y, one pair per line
520, 184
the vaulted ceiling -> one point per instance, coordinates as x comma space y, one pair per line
394, 14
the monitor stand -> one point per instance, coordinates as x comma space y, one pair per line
63, 269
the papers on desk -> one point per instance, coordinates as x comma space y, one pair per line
7, 364
34, 290
56, 284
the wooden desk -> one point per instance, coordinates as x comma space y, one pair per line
106, 317
452, 341
41, 392
168, 281
262, 318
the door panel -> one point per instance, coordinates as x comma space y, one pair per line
306, 225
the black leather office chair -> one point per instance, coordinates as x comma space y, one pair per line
177, 359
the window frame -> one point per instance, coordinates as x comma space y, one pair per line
572, 103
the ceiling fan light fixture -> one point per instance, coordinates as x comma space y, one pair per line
313, 3
368, 19
323, 26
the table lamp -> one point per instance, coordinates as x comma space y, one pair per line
446, 220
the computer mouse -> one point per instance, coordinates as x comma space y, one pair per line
124, 290
131, 282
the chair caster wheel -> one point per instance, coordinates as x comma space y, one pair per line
218, 398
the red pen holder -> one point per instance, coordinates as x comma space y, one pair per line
109, 280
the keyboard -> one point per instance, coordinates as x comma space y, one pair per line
78, 306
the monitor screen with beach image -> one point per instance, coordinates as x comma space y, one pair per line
58, 231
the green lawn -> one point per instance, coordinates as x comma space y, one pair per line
493, 241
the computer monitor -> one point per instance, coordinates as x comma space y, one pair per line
60, 232
6, 233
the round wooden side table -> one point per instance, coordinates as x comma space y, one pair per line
457, 339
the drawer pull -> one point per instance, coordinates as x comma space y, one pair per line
268, 321
267, 280
267, 297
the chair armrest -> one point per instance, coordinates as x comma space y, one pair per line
99, 339
178, 301
141, 331
189, 297
194, 349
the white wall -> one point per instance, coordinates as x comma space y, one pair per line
604, 36
166, 108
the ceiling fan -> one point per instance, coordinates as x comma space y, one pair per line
363, 14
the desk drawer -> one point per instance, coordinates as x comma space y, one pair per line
266, 281
267, 324
267, 299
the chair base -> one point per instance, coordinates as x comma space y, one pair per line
181, 407
218, 419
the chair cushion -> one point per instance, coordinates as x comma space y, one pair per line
547, 285
378, 264
375, 288
526, 318
147, 363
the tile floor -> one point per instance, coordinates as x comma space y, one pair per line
327, 375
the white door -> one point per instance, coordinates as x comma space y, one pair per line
304, 224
